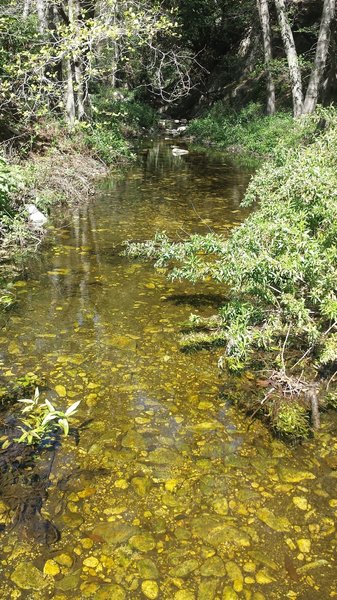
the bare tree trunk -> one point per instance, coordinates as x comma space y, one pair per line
26, 7
42, 15
70, 110
292, 58
262, 6
316, 78
330, 85
79, 89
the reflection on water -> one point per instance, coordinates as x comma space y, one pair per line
167, 494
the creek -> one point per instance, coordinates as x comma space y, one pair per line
168, 491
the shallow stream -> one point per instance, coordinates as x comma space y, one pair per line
168, 491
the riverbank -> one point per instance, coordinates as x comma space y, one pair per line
278, 270
52, 169
248, 133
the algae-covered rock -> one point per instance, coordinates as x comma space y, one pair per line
89, 589
316, 564
304, 545
289, 475
300, 502
184, 568
207, 589
263, 577
165, 456
115, 533
184, 595
213, 567
142, 485
69, 582
220, 506
229, 594
235, 575
142, 542
110, 592
91, 562
147, 569
276, 523
150, 589
260, 557
27, 577
51, 568
65, 560
133, 440
215, 531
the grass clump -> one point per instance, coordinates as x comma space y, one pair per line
291, 420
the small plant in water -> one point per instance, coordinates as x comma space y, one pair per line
40, 419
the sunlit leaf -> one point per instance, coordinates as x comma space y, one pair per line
72, 408
63, 423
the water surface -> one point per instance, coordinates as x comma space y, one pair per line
169, 492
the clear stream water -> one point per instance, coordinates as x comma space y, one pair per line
169, 492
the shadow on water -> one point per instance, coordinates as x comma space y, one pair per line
197, 300
167, 493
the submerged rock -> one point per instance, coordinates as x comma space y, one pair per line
213, 567
215, 531
147, 569
142, 485
235, 575
110, 592
115, 533
51, 568
27, 577
185, 568
165, 456
289, 475
207, 589
229, 594
142, 542
150, 589
184, 595
133, 440
274, 522
69, 582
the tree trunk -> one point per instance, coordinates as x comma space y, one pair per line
292, 58
330, 86
42, 16
316, 78
79, 89
70, 110
262, 6
26, 7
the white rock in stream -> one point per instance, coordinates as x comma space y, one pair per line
178, 151
35, 216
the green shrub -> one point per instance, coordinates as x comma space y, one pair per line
119, 109
9, 182
250, 131
280, 265
108, 144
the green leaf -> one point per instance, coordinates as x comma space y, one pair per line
71, 410
63, 423
49, 406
